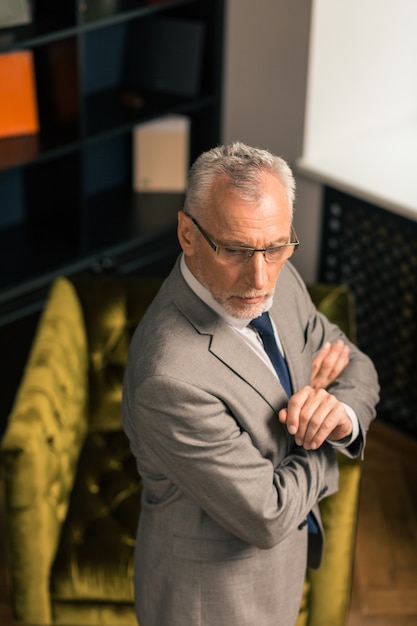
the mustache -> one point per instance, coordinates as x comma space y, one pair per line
252, 294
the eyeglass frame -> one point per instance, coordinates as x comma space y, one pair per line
215, 247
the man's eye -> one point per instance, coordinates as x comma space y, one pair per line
236, 252
275, 252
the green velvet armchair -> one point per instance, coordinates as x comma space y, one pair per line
72, 494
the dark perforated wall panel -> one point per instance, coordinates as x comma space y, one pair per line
375, 253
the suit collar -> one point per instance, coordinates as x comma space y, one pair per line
199, 314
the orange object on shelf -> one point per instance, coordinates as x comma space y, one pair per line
18, 102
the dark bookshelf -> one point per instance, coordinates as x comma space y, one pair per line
67, 202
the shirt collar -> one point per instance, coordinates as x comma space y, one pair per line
208, 299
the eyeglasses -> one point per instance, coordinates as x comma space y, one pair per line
236, 255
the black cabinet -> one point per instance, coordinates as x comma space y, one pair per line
102, 67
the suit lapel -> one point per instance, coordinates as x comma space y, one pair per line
290, 346
228, 347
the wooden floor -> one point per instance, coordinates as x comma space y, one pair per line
385, 572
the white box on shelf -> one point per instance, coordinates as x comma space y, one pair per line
161, 154
14, 13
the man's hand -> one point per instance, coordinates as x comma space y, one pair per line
329, 363
314, 415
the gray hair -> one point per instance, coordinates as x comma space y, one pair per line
243, 166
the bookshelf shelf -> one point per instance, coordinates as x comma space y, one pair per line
67, 199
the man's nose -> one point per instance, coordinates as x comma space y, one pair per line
257, 269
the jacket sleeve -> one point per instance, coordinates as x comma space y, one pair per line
188, 438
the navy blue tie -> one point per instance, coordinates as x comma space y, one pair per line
264, 327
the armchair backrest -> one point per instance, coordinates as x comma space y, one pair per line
41, 445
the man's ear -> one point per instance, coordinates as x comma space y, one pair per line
186, 233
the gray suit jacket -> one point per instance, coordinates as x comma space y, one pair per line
222, 538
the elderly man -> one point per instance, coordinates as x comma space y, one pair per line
235, 395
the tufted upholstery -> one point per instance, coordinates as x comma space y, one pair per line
66, 417
72, 491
